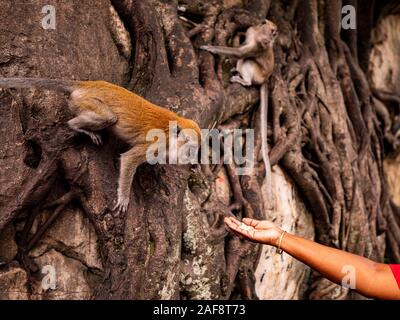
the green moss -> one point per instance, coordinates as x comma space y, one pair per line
226, 70
150, 247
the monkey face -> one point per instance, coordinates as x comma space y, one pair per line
189, 131
268, 32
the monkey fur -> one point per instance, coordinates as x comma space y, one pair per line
99, 105
255, 65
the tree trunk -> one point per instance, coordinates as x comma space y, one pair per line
332, 121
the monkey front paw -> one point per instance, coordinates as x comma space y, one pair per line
122, 205
208, 48
95, 138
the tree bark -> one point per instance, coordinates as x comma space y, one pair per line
329, 129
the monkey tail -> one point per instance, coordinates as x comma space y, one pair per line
264, 142
64, 86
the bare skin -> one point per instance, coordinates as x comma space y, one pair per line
373, 280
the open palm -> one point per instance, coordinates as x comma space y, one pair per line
264, 232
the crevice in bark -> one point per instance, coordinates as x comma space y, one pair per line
328, 130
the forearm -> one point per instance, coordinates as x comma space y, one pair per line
371, 279
241, 52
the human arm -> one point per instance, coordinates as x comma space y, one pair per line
374, 280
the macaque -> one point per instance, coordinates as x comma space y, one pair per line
255, 65
99, 105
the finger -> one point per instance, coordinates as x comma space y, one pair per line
239, 234
234, 226
251, 222
232, 220
249, 234
231, 223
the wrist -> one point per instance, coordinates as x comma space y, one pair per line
279, 249
275, 240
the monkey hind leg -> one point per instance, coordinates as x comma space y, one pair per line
247, 70
89, 121
244, 77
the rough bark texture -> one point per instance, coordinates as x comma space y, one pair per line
282, 276
333, 119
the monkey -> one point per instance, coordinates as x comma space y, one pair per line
98, 105
254, 66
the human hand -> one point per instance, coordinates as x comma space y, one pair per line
264, 232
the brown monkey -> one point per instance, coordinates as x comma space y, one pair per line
98, 105
255, 65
